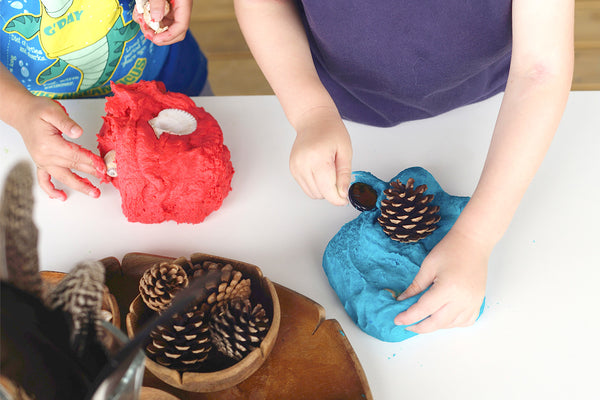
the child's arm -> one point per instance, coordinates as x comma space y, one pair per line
320, 160
40, 122
177, 19
538, 86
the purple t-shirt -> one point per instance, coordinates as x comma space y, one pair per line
388, 61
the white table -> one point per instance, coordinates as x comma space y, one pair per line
539, 335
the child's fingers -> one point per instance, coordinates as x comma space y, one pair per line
309, 186
343, 174
178, 21
422, 309
157, 9
75, 182
425, 306
58, 118
439, 319
174, 34
45, 182
422, 281
71, 156
325, 178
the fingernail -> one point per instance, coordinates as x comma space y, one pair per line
61, 197
95, 193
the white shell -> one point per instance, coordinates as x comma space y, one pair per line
155, 25
110, 159
174, 121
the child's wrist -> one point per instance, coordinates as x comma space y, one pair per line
316, 115
15, 112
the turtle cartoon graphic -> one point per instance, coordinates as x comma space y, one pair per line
88, 35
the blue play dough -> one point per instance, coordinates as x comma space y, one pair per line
361, 261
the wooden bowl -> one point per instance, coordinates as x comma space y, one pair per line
110, 306
150, 393
263, 291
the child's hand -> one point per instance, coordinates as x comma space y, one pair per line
40, 126
321, 156
456, 270
177, 19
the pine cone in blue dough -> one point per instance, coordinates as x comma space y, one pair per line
406, 214
382, 249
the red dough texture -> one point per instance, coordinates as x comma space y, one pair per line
179, 178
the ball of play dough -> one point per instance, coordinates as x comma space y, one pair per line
164, 154
361, 261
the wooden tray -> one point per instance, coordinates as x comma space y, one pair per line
312, 358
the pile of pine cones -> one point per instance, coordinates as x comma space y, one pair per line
224, 326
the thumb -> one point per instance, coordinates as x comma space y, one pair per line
61, 121
343, 166
421, 282
157, 10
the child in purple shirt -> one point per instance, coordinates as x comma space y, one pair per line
385, 62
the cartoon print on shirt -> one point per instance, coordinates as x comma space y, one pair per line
88, 35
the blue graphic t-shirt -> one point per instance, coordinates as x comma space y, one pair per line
74, 48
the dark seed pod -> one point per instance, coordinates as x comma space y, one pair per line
406, 213
362, 196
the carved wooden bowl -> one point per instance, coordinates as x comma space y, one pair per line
110, 308
263, 291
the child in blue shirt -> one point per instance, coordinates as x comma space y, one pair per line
58, 49
389, 61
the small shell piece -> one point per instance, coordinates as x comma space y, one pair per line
173, 121
155, 25
110, 159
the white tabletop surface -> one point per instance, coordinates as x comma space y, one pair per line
538, 337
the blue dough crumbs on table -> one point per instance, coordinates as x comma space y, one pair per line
361, 261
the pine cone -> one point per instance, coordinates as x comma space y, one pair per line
406, 215
223, 317
185, 343
159, 284
230, 286
237, 328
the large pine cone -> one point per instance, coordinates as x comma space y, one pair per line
160, 283
406, 213
237, 327
185, 343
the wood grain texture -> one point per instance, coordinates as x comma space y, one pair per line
312, 357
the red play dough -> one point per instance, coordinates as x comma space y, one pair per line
178, 178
